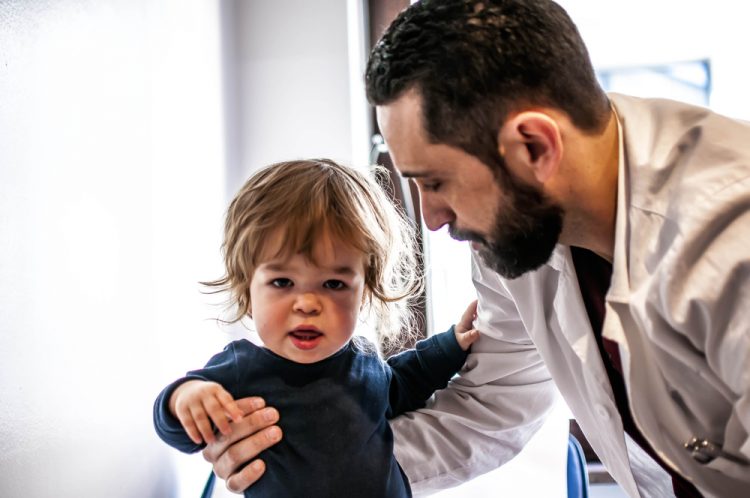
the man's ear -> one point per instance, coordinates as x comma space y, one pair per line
531, 144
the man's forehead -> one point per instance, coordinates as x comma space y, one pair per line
403, 112
400, 124
409, 166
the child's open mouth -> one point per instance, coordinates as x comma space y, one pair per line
305, 339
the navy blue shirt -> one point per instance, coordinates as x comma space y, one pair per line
334, 413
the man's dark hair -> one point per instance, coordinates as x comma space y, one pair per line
474, 61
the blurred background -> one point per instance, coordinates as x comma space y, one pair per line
125, 128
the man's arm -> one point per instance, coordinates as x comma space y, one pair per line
488, 413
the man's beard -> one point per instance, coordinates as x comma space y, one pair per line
525, 232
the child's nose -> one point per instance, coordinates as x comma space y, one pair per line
307, 303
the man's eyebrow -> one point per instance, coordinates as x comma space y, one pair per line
408, 174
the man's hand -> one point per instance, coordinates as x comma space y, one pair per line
466, 334
230, 453
197, 403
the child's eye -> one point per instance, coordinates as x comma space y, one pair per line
334, 284
281, 283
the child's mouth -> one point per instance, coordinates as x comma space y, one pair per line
305, 339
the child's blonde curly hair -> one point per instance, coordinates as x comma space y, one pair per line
306, 199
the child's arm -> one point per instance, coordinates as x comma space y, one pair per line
197, 403
172, 420
417, 373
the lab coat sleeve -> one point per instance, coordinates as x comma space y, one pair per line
704, 295
486, 414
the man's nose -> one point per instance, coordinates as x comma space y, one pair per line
307, 303
435, 213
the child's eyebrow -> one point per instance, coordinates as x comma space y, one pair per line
343, 270
340, 270
274, 267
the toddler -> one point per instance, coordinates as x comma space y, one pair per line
310, 245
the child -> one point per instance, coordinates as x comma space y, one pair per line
308, 245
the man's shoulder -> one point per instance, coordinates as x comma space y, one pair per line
663, 119
678, 156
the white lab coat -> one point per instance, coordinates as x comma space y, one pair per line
678, 305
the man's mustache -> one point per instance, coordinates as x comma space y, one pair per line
465, 235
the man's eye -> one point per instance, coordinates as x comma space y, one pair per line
281, 283
431, 186
334, 284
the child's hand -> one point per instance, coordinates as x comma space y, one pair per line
466, 334
197, 401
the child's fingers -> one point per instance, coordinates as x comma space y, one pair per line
203, 424
466, 339
216, 413
190, 428
467, 319
471, 336
230, 406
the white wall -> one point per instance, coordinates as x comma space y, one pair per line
124, 126
622, 34
110, 202
293, 75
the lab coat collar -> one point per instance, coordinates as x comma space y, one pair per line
618, 295
558, 258
619, 290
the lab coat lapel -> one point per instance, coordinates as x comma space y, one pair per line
618, 296
594, 408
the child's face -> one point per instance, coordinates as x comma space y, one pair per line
307, 312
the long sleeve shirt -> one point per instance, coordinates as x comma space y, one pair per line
334, 413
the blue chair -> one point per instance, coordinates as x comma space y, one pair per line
578, 478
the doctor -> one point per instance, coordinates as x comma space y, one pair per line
611, 242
